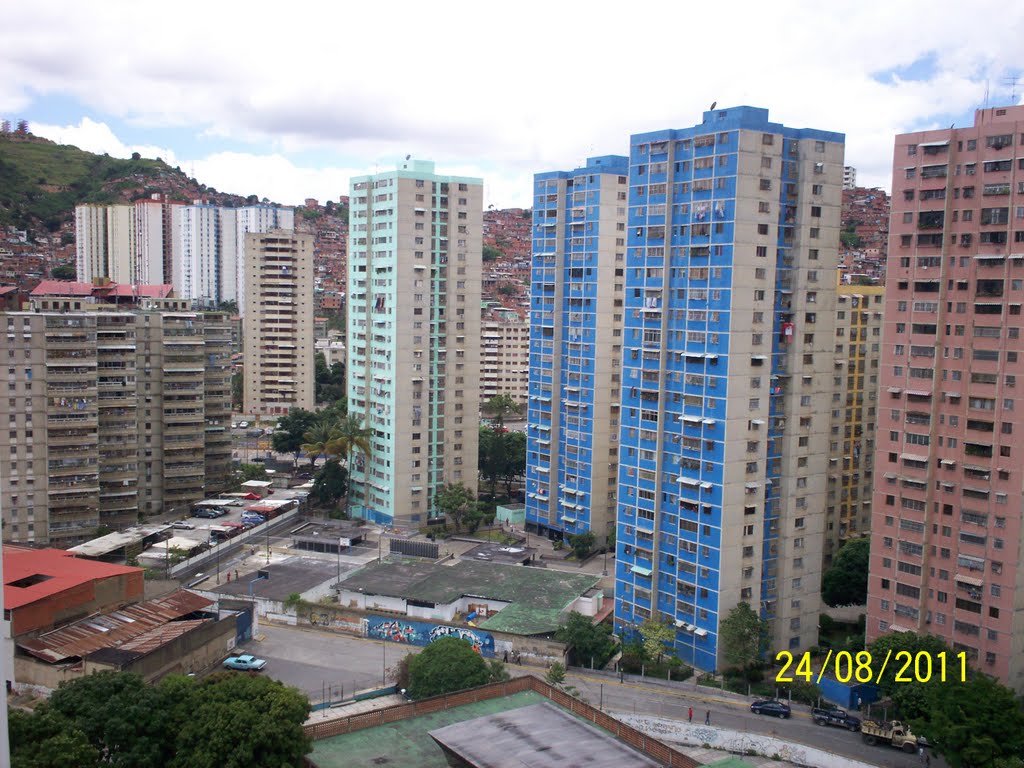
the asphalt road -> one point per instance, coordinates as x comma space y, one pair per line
319, 662
315, 661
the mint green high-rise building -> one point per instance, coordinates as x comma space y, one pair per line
413, 357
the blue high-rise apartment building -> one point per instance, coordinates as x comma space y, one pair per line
727, 377
576, 306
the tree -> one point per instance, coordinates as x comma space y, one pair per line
489, 456
268, 728
895, 642
120, 716
496, 672
330, 483
490, 253
329, 380
846, 582
972, 723
556, 674
290, 433
741, 635
46, 739
247, 472
500, 406
513, 458
349, 437
446, 665
457, 503
582, 544
657, 634
586, 639
230, 306
64, 272
318, 439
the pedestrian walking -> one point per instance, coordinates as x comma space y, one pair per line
691, 714
707, 718
519, 658
506, 657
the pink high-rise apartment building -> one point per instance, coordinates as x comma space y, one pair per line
949, 464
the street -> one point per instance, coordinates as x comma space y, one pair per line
319, 662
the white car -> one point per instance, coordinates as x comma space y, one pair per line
183, 525
243, 425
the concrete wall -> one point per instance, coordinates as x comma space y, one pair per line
210, 555
588, 605
537, 650
30, 673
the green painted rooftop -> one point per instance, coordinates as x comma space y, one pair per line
537, 596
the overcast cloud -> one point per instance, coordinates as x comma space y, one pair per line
289, 100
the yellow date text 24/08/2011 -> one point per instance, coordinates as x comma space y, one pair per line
847, 667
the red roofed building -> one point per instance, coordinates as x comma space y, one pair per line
70, 294
44, 588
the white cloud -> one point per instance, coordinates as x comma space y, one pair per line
99, 139
512, 90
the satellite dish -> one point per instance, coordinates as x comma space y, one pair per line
714, 104
408, 156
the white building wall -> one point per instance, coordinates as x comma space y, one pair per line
90, 242
121, 244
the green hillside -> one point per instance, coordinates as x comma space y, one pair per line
41, 182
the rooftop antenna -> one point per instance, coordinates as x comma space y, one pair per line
1012, 81
986, 93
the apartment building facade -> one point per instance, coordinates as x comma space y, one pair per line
278, 327
858, 346
251, 219
576, 320
728, 348
156, 234
413, 347
504, 355
105, 243
107, 414
204, 254
946, 528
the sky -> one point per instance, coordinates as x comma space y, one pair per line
289, 102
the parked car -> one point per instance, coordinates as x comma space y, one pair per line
244, 662
209, 513
836, 717
771, 707
184, 525
243, 425
253, 519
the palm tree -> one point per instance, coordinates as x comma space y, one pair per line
349, 436
318, 440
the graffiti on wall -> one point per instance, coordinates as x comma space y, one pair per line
421, 633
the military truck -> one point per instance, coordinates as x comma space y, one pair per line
893, 733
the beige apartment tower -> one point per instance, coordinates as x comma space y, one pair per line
112, 414
854, 415
278, 324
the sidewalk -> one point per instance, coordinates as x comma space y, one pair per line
688, 686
